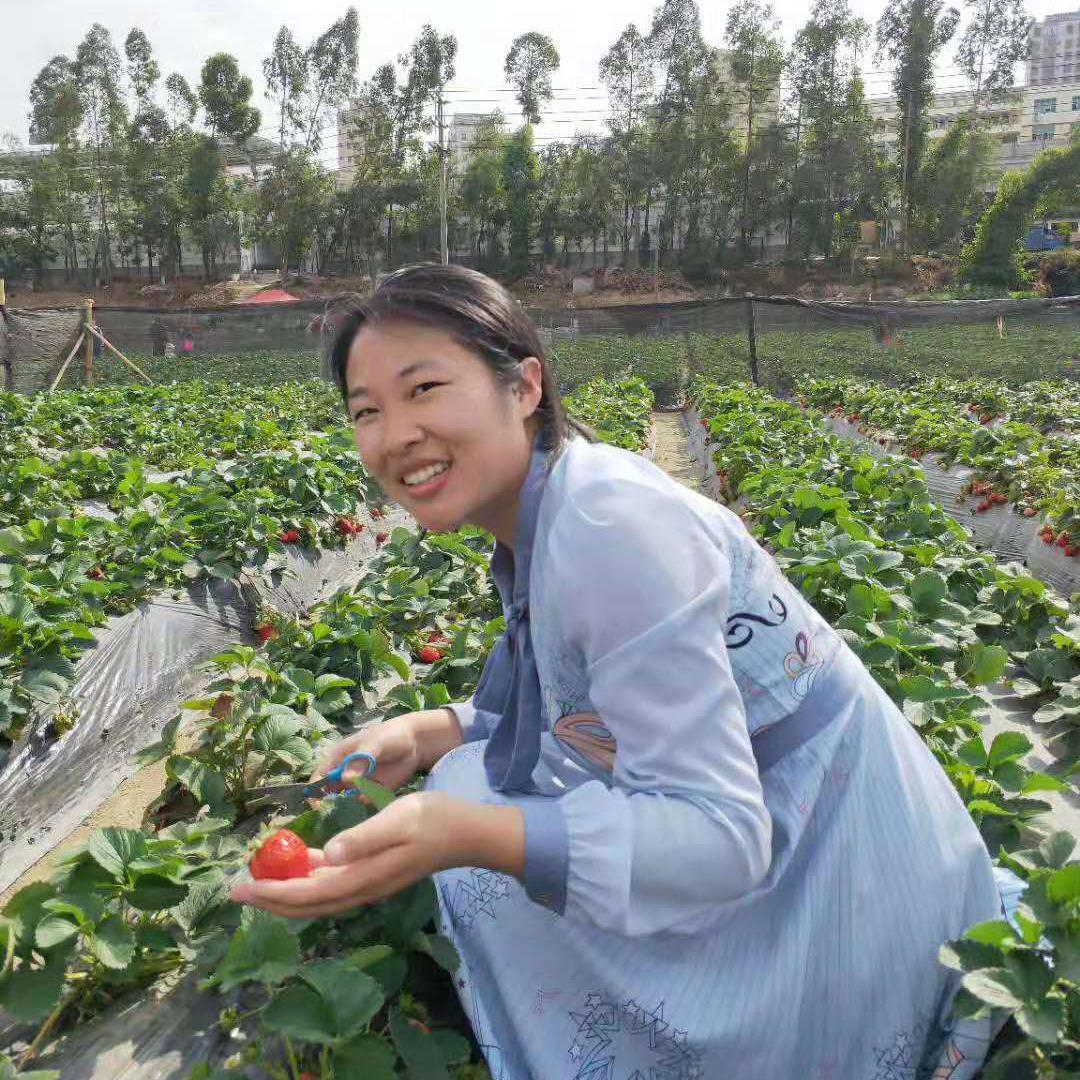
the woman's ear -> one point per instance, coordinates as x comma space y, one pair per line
530, 386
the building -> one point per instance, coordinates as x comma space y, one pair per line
1055, 50
461, 134
1033, 119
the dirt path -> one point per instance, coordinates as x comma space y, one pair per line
672, 452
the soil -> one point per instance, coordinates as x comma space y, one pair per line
672, 453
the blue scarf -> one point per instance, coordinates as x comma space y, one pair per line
510, 684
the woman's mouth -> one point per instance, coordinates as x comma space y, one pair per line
426, 481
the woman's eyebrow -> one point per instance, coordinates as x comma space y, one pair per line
404, 373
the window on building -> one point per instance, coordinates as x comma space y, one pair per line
1076, 103
1042, 132
1045, 105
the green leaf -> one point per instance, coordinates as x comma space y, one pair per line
53, 930
163, 747
440, 949
1057, 848
995, 986
113, 849
113, 942
928, 589
7, 1072
978, 664
379, 796
972, 752
367, 1056
29, 995
263, 950
1044, 1020
352, 997
205, 783
301, 1013
996, 933
422, 1054
44, 685
1007, 746
153, 892
1064, 884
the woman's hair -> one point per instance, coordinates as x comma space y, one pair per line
477, 311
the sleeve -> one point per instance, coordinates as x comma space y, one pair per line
475, 723
643, 588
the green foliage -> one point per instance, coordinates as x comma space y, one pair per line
1058, 272
521, 180
992, 257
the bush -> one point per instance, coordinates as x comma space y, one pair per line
1058, 272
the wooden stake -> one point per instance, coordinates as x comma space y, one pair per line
88, 355
1001, 326
3, 295
112, 348
751, 330
70, 357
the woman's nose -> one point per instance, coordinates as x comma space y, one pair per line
399, 432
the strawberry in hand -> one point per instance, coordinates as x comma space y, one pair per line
283, 855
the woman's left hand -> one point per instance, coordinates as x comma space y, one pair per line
415, 836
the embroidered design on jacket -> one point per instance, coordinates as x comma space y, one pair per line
587, 736
739, 631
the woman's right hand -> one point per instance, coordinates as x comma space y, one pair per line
401, 746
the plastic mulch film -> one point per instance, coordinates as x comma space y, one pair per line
1007, 535
131, 683
1002, 711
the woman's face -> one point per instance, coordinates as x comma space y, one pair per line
436, 428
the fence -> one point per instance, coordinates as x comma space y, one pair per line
767, 333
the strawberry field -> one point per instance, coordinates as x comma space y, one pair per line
198, 578
119, 499
950, 635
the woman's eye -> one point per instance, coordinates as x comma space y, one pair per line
362, 414
422, 388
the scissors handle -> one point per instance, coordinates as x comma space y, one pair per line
336, 775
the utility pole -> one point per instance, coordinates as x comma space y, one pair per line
443, 244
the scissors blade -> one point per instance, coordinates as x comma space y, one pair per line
288, 795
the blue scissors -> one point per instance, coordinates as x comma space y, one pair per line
294, 796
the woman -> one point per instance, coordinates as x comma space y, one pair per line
679, 831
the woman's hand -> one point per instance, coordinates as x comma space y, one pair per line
415, 836
401, 746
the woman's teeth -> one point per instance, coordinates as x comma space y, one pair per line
422, 476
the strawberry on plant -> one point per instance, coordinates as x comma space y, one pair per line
429, 655
376, 513
281, 856
1072, 550
998, 498
266, 632
1030, 511
95, 573
1063, 539
290, 536
437, 637
381, 538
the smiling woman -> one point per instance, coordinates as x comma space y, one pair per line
679, 828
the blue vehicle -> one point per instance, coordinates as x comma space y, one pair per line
1043, 238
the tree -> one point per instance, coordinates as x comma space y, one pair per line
992, 257
56, 106
226, 99
143, 70
183, 102
291, 205
209, 202
529, 64
521, 179
483, 195
911, 33
949, 190
627, 72
286, 74
995, 40
756, 61
331, 74
837, 166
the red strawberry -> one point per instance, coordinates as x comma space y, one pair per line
381, 538
429, 655
265, 632
376, 513
998, 498
1063, 539
290, 536
346, 526
1047, 537
222, 706
95, 573
1072, 549
1030, 511
983, 506
438, 636
281, 856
